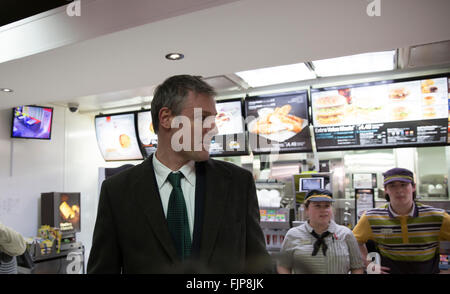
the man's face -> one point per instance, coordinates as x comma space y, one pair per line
400, 193
196, 127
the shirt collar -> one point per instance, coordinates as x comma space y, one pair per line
188, 171
331, 227
412, 213
162, 171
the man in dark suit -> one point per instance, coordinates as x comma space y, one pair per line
143, 226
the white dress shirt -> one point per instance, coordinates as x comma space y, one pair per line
187, 186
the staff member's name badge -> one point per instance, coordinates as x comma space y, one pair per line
305, 242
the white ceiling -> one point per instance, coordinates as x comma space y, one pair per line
115, 50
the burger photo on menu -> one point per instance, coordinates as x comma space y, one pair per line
277, 124
429, 112
429, 99
330, 110
368, 109
399, 93
368, 104
400, 113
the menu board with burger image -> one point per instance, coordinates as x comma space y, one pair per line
278, 123
231, 138
116, 137
410, 112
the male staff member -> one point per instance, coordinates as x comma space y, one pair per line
179, 211
407, 232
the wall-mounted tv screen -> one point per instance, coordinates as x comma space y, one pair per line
116, 137
231, 139
146, 133
32, 122
278, 123
392, 113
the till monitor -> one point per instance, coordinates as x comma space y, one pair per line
307, 184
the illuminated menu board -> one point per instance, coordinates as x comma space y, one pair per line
146, 134
116, 137
381, 114
231, 138
278, 123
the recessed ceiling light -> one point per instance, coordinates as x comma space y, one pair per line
6, 90
174, 56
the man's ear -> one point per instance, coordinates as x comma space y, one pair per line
165, 118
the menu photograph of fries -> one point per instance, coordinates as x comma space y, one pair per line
282, 120
277, 124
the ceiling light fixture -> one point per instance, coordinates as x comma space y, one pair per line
355, 64
174, 56
7, 90
276, 75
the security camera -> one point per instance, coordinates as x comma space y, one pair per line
73, 107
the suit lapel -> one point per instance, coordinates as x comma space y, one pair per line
200, 188
216, 194
148, 199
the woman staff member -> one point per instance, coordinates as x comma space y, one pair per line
320, 246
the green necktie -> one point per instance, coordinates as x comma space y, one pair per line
177, 218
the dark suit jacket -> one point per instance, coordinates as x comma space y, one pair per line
131, 233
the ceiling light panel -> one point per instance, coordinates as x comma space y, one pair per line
355, 64
276, 75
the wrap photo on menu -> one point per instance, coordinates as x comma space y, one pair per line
230, 139
278, 123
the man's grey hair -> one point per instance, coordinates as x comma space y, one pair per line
173, 92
